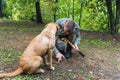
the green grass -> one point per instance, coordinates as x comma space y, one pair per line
20, 26
1, 38
98, 43
22, 29
9, 55
61, 75
27, 77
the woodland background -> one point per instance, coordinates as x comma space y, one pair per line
99, 20
92, 15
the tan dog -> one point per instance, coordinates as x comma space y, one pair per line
31, 59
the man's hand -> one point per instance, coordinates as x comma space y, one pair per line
60, 57
75, 47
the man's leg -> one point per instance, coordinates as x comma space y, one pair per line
68, 52
61, 46
64, 48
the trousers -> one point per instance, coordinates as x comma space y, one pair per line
63, 46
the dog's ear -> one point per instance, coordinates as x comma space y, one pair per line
58, 27
46, 25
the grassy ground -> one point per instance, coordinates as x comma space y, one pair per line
102, 52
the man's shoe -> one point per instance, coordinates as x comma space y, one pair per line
68, 54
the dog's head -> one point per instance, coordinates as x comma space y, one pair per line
53, 25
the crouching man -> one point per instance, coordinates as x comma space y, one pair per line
70, 30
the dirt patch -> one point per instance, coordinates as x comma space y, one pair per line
99, 63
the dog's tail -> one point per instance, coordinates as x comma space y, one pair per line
11, 74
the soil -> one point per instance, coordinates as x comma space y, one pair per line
98, 64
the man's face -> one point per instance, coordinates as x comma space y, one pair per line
67, 31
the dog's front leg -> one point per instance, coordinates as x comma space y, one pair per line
50, 53
45, 60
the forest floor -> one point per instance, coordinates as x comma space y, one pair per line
102, 60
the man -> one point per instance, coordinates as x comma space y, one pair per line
70, 30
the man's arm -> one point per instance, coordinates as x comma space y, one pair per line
78, 38
56, 51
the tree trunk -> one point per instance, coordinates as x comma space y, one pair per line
111, 16
38, 12
55, 10
80, 16
73, 11
117, 20
0, 8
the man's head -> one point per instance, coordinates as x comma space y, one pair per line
69, 26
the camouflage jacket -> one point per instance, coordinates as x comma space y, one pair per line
61, 32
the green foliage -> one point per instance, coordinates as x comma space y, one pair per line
19, 9
95, 17
90, 14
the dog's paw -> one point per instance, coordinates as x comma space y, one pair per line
52, 68
41, 71
47, 64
